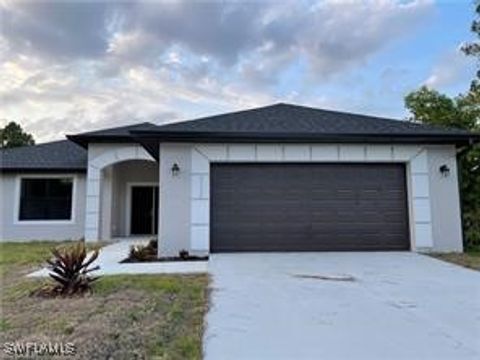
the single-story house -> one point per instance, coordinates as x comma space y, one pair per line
276, 178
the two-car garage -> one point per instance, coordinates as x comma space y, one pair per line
308, 207
294, 178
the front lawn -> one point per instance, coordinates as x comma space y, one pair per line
127, 317
469, 259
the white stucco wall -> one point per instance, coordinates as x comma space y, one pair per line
100, 157
13, 230
434, 210
445, 204
185, 199
174, 193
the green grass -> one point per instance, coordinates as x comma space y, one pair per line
61, 325
31, 253
469, 259
4, 325
473, 250
150, 283
127, 316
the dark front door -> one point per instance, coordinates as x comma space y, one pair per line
308, 207
144, 210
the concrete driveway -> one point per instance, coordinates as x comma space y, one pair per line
400, 306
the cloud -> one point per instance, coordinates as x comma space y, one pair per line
84, 65
451, 69
330, 34
345, 33
56, 29
223, 30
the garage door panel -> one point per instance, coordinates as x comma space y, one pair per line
308, 207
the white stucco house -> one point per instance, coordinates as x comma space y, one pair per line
276, 178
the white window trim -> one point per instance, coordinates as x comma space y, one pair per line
73, 214
128, 203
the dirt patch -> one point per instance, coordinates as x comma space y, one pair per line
126, 317
469, 260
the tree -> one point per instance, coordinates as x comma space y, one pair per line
473, 48
463, 111
469, 106
12, 135
431, 107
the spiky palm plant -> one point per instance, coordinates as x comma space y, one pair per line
70, 269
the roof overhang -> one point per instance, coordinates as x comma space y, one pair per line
84, 140
150, 140
43, 170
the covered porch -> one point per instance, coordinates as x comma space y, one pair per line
129, 200
122, 193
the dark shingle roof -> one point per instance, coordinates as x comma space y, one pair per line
65, 155
117, 134
286, 119
54, 156
280, 122
294, 123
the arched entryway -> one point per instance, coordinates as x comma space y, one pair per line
122, 192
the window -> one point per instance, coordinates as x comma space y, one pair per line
46, 198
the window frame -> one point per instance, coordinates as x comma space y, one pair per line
18, 193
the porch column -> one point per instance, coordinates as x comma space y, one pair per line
420, 202
106, 203
92, 207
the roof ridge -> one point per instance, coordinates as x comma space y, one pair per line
353, 116
290, 105
236, 112
367, 116
309, 107
36, 145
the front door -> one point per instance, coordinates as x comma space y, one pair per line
144, 210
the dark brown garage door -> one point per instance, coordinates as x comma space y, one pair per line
308, 207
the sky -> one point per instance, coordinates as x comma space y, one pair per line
70, 67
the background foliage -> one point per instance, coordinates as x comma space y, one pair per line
463, 111
12, 135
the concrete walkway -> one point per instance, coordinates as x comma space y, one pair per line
401, 306
111, 255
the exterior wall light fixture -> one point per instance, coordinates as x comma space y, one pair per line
444, 170
175, 169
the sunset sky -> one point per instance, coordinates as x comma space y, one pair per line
73, 67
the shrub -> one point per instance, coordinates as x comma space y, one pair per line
471, 220
183, 254
144, 252
70, 269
